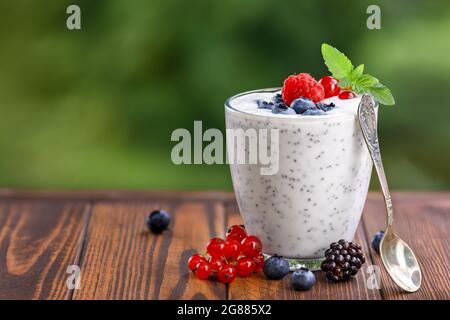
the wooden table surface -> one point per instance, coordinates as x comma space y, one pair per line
103, 232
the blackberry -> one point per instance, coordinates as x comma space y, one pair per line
342, 260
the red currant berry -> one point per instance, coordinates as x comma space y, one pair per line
245, 267
216, 264
226, 275
203, 270
331, 86
236, 233
216, 247
346, 94
232, 249
251, 246
259, 262
194, 260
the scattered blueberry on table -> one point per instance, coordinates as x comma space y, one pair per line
276, 267
303, 279
158, 221
376, 240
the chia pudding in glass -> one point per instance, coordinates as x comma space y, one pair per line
318, 193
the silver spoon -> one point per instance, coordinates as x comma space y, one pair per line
397, 256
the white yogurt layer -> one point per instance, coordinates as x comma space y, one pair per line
319, 192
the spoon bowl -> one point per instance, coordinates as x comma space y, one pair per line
398, 258
400, 262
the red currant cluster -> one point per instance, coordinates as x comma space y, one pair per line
239, 255
331, 88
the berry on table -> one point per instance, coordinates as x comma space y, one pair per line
301, 105
236, 232
158, 221
245, 267
259, 262
303, 279
251, 246
216, 264
302, 85
342, 260
376, 240
346, 94
216, 247
226, 275
232, 249
276, 267
330, 86
203, 270
194, 261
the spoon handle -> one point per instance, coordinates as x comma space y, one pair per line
368, 123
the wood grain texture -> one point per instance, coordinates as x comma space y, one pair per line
122, 260
42, 233
115, 195
258, 287
422, 221
38, 241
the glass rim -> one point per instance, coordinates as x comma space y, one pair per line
337, 116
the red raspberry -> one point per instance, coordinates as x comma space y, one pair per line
302, 85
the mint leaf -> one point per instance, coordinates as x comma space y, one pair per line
381, 94
345, 83
366, 80
353, 78
357, 72
338, 64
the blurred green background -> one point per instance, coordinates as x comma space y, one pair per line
95, 108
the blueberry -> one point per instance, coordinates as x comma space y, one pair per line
157, 221
279, 107
312, 112
376, 240
277, 98
303, 279
288, 111
264, 104
300, 105
324, 106
276, 267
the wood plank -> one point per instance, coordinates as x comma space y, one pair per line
98, 195
423, 221
122, 260
259, 287
38, 242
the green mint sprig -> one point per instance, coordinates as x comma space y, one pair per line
343, 70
